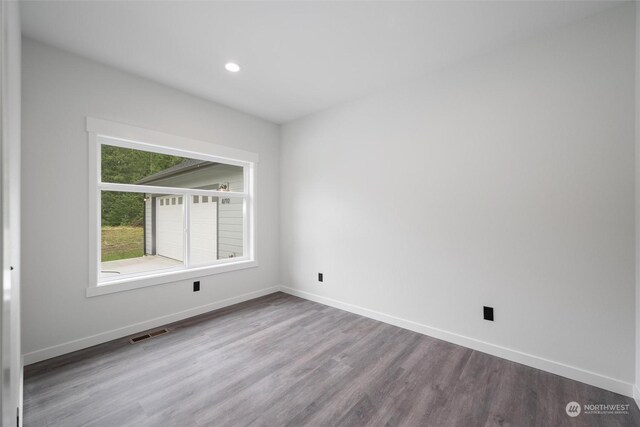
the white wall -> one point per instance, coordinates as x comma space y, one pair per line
506, 181
59, 91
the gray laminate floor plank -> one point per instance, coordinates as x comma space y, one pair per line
280, 360
518, 383
473, 393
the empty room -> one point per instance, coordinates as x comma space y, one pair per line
320, 213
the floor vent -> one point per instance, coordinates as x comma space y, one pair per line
147, 336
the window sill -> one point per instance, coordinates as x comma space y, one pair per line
131, 283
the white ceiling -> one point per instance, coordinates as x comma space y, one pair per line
297, 58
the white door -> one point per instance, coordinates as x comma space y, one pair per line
203, 234
10, 346
170, 227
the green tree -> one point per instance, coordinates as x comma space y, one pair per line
127, 166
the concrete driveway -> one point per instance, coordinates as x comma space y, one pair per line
111, 269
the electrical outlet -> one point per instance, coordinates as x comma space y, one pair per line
488, 313
196, 286
320, 277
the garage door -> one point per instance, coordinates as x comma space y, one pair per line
170, 227
203, 233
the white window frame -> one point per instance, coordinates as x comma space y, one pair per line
117, 134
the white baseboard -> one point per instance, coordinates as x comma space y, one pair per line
571, 372
636, 395
68, 347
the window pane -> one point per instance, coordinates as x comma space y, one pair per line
216, 229
140, 233
128, 166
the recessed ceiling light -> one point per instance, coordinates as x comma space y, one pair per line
232, 67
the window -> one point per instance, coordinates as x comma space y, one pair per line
145, 233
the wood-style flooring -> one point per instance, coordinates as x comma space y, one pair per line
284, 361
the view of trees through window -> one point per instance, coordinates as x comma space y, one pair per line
123, 213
